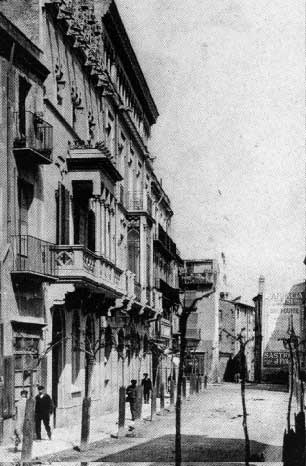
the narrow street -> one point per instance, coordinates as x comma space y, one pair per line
211, 431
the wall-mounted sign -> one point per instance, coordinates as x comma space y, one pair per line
276, 359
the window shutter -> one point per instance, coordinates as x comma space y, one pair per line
9, 387
62, 217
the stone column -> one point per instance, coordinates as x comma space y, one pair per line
102, 220
107, 232
96, 209
113, 235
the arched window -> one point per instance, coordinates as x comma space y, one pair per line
134, 253
75, 338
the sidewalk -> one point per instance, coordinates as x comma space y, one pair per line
65, 438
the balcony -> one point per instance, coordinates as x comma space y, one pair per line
33, 139
164, 329
164, 243
76, 263
33, 256
86, 157
171, 293
139, 201
193, 334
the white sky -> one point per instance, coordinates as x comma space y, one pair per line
228, 79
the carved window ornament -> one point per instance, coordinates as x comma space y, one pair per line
60, 82
76, 98
91, 125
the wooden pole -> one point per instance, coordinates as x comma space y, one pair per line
153, 402
162, 396
139, 395
85, 428
121, 420
184, 386
171, 392
178, 405
244, 410
28, 431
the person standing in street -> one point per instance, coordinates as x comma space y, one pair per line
131, 397
20, 414
43, 410
147, 387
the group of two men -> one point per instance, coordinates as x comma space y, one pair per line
131, 393
43, 410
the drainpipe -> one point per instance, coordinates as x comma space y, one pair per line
8, 213
8, 141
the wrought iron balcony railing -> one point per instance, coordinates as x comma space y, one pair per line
33, 255
33, 137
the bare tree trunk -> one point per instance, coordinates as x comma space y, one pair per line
86, 405
178, 406
244, 410
290, 387
300, 381
28, 431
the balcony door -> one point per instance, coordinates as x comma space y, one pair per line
134, 253
83, 216
24, 88
25, 198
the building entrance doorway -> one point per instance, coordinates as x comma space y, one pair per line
58, 355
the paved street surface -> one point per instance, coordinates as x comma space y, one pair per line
211, 431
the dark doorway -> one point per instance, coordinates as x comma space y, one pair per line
58, 354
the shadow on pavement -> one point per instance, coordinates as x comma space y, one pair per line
196, 448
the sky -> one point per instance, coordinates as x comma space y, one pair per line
228, 79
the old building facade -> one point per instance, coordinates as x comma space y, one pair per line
202, 333
88, 266
236, 319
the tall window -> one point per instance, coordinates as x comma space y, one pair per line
62, 212
25, 198
75, 356
134, 253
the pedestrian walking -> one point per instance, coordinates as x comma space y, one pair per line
43, 410
20, 414
147, 387
131, 397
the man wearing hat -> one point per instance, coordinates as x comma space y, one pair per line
19, 420
131, 393
43, 409
147, 387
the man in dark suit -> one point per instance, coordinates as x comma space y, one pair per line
43, 409
147, 387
